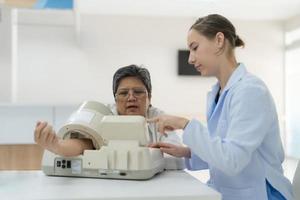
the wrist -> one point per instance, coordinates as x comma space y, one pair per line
56, 147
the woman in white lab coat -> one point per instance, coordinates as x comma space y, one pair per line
241, 146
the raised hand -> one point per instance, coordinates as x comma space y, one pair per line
45, 136
167, 123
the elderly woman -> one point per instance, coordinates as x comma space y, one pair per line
132, 91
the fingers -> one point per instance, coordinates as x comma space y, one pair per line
164, 129
166, 123
164, 147
172, 149
153, 120
55, 138
168, 148
157, 124
51, 137
153, 145
44, 134
161, 145
39, 127
168, 151
161, 124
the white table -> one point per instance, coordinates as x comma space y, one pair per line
172, 185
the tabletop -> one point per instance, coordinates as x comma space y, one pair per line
173, 185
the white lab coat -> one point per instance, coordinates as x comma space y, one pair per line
241, 146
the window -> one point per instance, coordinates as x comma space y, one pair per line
292, 101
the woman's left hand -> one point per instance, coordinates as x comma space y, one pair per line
172, 149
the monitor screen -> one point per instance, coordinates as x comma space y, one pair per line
184, 68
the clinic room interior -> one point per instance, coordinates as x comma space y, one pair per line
55, 55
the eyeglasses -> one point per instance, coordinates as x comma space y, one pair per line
123, 94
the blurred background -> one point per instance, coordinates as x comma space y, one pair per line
54, 54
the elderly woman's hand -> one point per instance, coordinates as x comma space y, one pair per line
45, 136
166, 123
172, 149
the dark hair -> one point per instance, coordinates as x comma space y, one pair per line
132, 71
210, 25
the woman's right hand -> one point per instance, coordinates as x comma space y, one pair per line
167, 123
45, 136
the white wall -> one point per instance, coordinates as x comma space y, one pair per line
54, 69
5, 55
264, 55
292, 77
18, 121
